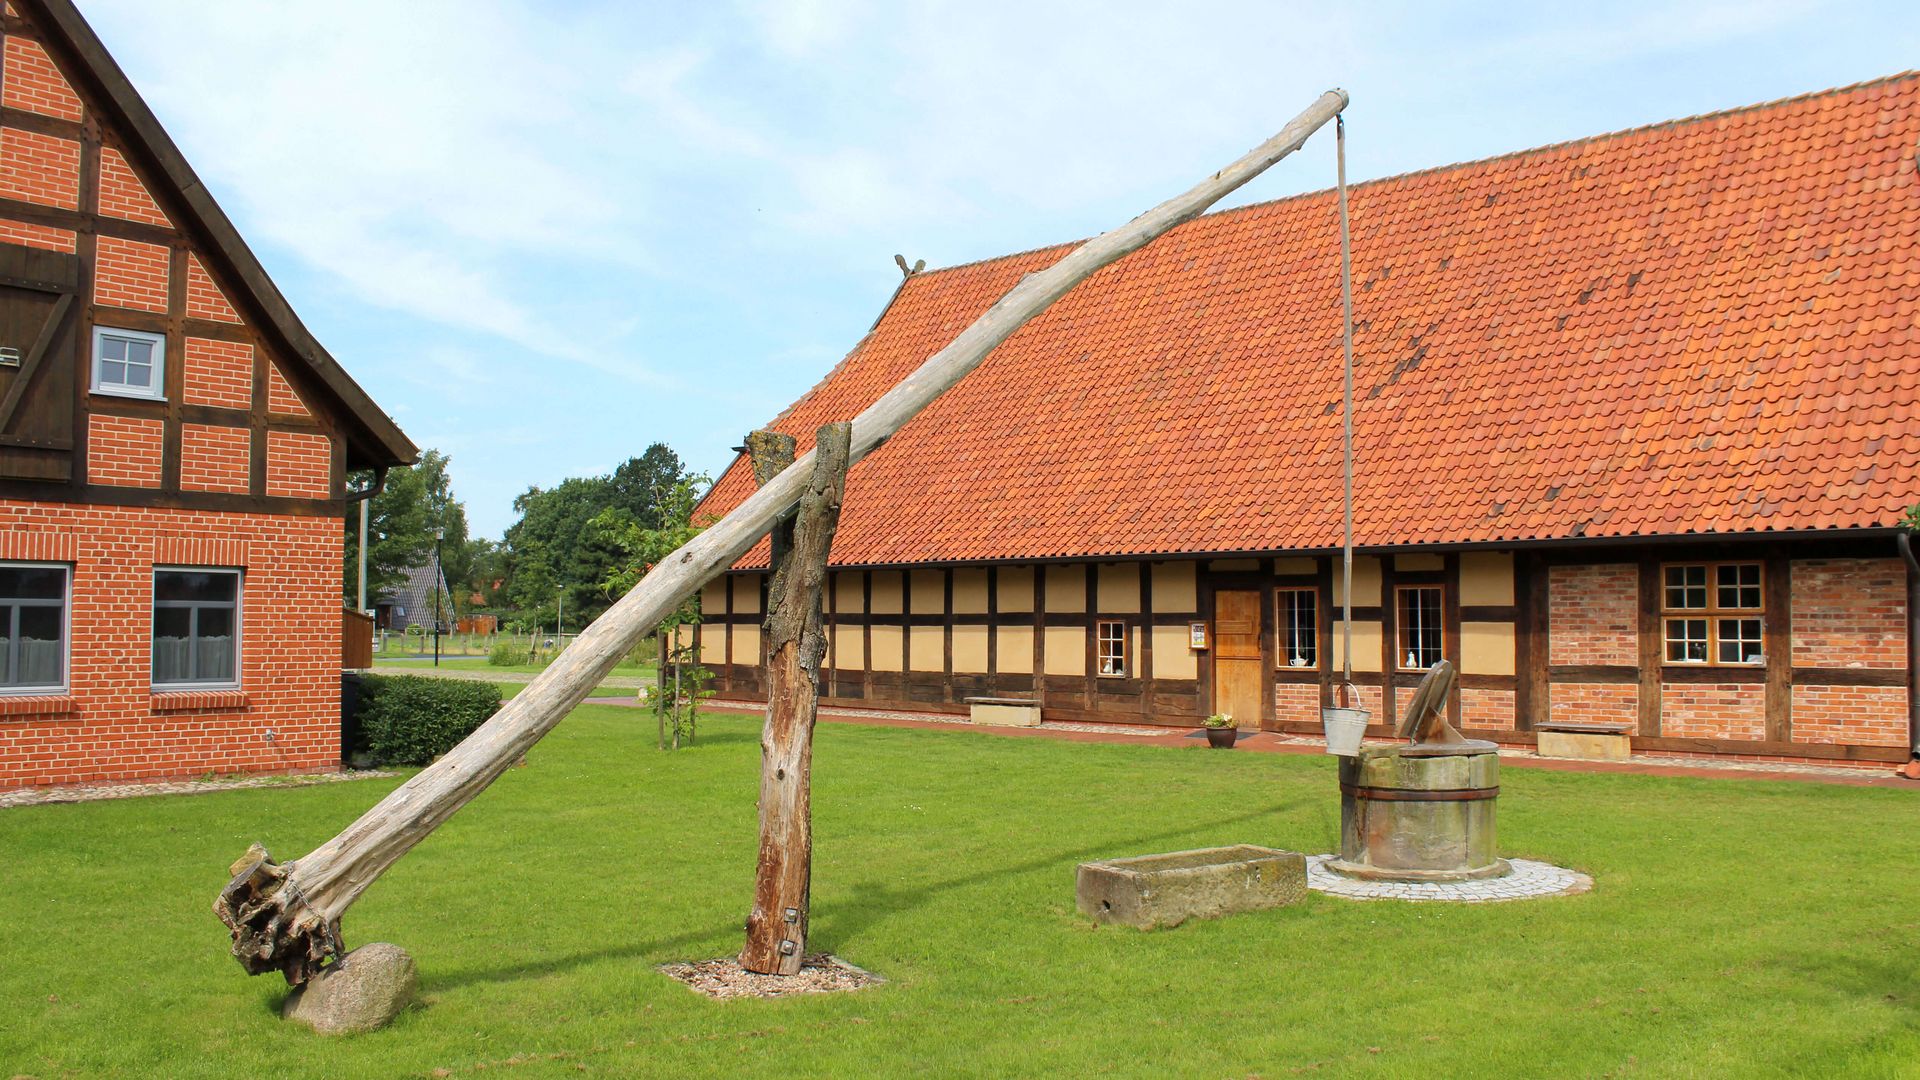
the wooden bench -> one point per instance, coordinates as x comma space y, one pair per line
1004, 711
1584, 741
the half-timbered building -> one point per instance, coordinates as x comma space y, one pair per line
1636, 416
173, 450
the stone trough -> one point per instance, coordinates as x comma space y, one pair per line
1150, 891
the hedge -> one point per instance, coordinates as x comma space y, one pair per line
410, 719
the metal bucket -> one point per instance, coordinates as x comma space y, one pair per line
1344, 725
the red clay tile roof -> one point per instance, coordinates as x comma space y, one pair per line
1702, 326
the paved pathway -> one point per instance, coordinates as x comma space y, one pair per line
611, 682
1277, 742
36, 796
1264, 741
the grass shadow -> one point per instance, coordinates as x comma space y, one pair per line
876, 901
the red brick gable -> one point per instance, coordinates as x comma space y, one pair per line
1702, 326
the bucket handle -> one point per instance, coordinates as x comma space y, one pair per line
1349, 692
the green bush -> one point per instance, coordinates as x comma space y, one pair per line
507, 654
410, 719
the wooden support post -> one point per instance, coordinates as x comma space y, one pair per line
285, 917
777, 925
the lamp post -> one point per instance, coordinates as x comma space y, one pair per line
560, 618
439, 534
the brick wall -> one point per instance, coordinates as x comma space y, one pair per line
1713, 710
111, 726
1850, 613
30, 81
204, 298
39, 168
123, 451
1481, 708
1593, 614
1866, 715
218, 373
280, 395
299, 464
44, 237
130, 274
1296, 703
215, 458
1593, 703
122, 195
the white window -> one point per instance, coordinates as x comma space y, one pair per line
1111, 639
1299, 628
129, 363
196, 628
1419, 627
33, 618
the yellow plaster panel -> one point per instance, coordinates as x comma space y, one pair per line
713, 597
929, 592
886, 595
1013, 650
1366, 640
970, 649
1366, 585
746, 645
1119, 585
1172, 659
1486, 578
929, 649
1296, 565
1067, 589
886, 648
1066, 650
970, 592
1486, 648
850, 592
1174, 588
849, 648
1412, 563
746, 594
713, 645
1016, 589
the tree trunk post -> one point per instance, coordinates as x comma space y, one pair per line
796, 644
285, 917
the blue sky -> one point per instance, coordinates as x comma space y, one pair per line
544, 235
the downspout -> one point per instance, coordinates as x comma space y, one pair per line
1912, 768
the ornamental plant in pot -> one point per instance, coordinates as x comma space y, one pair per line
1220, 731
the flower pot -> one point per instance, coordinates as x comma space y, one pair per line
1221, 738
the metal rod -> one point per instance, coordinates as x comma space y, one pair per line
1346, 412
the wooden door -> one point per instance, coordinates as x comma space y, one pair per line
1237, 675
37, 362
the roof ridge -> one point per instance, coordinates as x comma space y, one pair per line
1618, 133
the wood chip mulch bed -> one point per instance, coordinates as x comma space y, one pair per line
724, 978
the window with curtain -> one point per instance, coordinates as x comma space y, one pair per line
33, 615
196, 628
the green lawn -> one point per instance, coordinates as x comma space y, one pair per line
1738, 928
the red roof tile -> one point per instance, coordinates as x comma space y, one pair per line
1702, 326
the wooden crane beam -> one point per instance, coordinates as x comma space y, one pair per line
285, 917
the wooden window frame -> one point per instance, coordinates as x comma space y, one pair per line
9, 612
239, 627
1714, 614
1100, 642
158, 342
1401, 644
1284, 627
